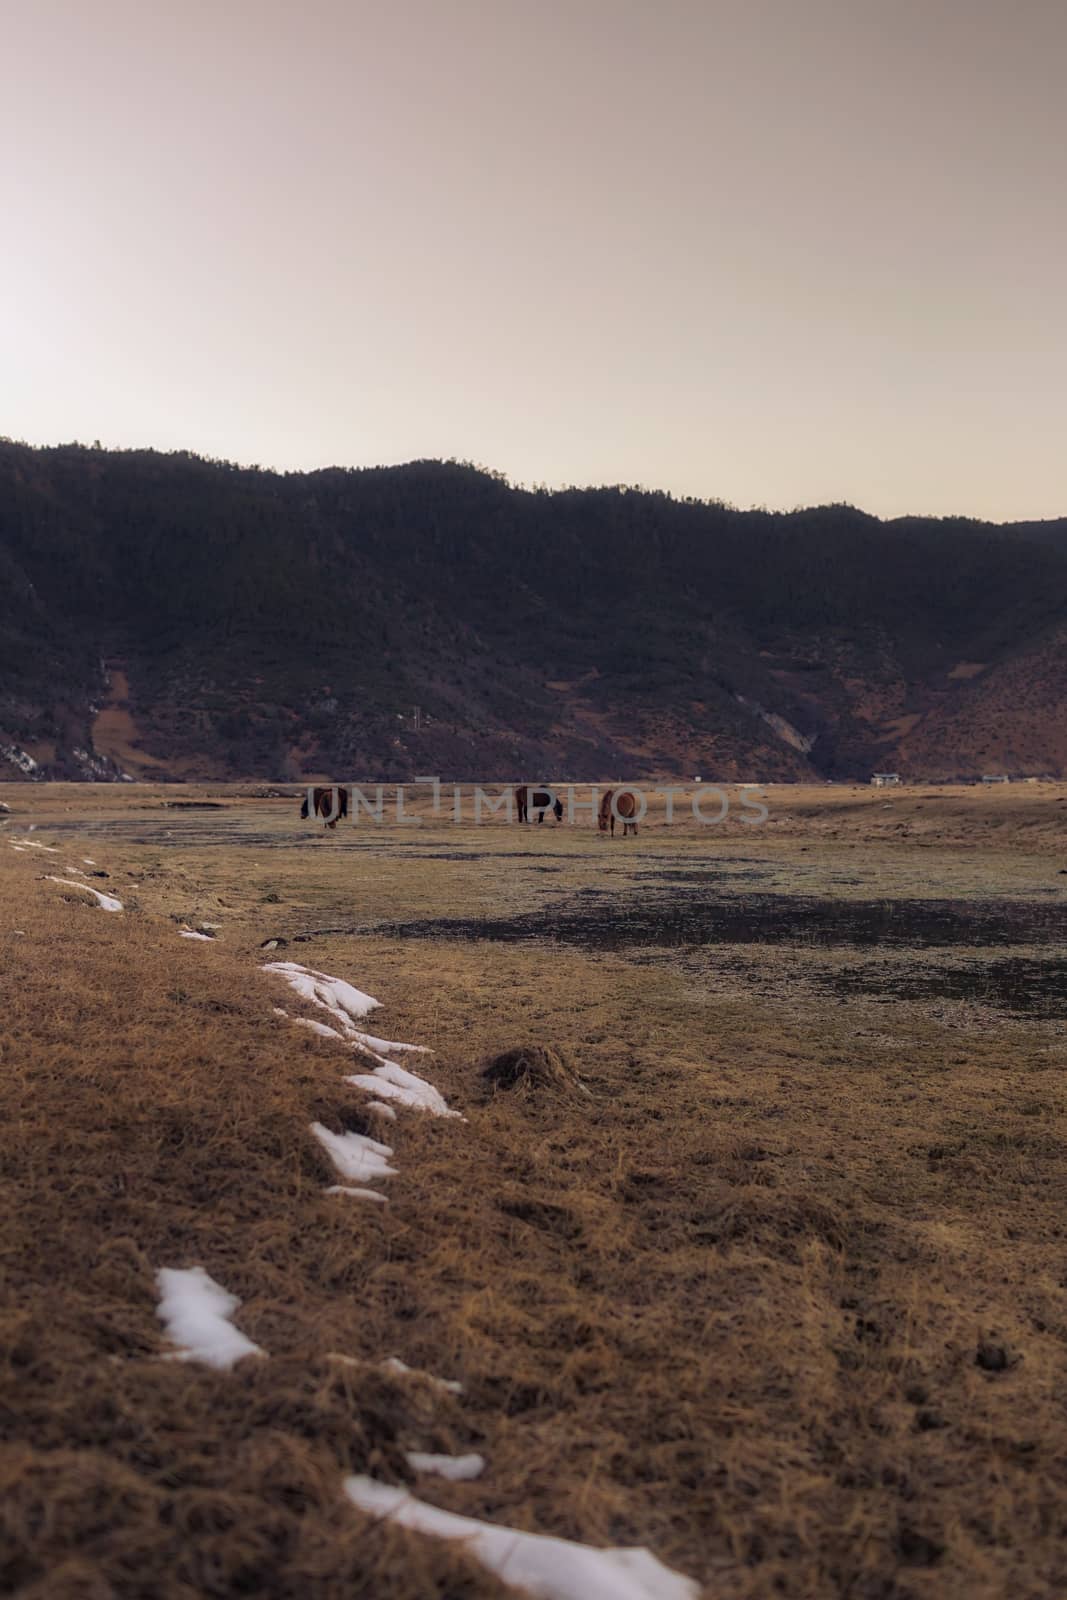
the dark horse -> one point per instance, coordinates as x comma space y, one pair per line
537, 800
329, 804
626, 807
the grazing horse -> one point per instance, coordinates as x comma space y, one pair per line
626, 808
329, 804
525, 798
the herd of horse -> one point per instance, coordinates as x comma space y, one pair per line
540, 801
616, 805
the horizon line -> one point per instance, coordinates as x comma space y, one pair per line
521, 486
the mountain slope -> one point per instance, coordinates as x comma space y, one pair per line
167, 615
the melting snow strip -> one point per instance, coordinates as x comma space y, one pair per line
394, 1364
196, 1312
190, 933
360, 1194
393, 1083
106, 902
344, 1003
549, 1568
322, 1028
354, 1155
457, 1468
35, 844
382, 1045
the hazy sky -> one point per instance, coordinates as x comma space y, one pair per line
777, 251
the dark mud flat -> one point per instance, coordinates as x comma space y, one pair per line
426, 855
235, 830
533, 855
700, 875
1018, 986
623, 922
170, 830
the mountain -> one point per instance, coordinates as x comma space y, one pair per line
166, 616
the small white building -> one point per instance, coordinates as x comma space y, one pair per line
884, 780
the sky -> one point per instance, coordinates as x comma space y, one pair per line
777, 252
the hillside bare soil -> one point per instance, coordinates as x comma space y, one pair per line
166, 616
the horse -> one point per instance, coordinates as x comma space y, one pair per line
625, 807
539, 800
329, 804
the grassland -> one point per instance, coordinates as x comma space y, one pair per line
782, 1297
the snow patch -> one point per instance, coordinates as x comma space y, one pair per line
394, 1364
344, 1003
355, 1155
196, 1312
457, 1468
360, 1194
322, 1028
394, 1083
548, 1568
19, 758
382, 1045
106, 902
93, 765
190, 933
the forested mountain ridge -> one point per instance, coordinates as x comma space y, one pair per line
165, 615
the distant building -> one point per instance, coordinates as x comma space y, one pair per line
883, 780
995, 777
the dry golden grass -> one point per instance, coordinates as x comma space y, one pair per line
781, 1298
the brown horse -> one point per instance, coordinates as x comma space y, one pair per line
329, 804
537, 799
625, 807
